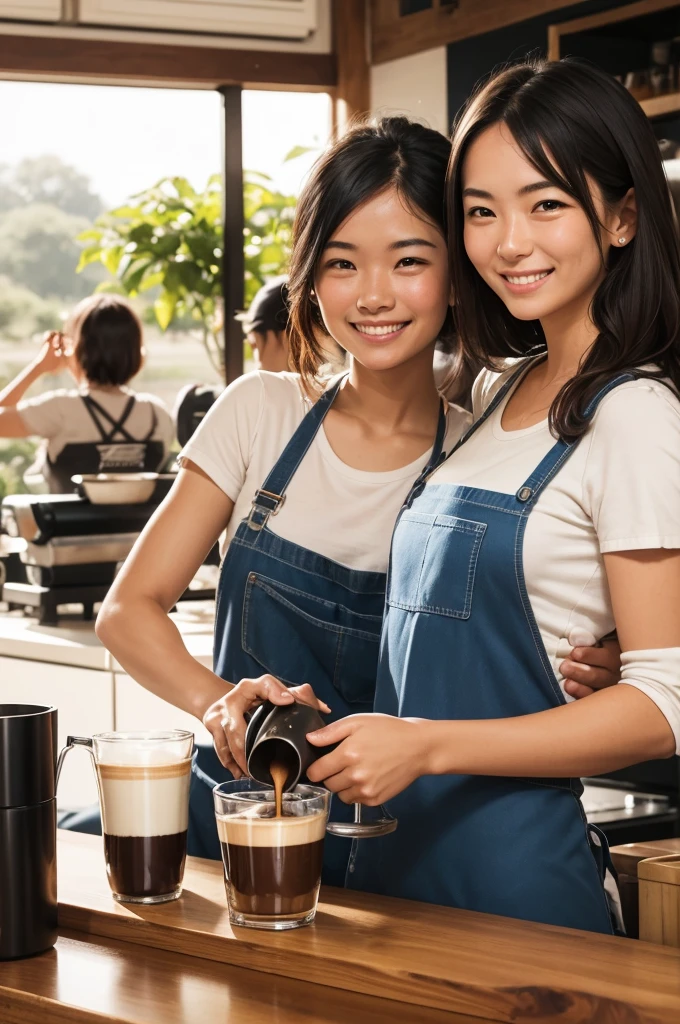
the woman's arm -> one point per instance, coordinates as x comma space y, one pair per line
52, 358
612, 729
133, 622
134, 625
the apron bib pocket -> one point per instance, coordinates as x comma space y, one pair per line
296, 637
428, 573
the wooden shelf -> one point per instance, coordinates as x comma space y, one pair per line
658, 105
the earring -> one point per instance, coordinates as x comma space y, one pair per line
622, 241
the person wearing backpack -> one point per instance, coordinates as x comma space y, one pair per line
101, 426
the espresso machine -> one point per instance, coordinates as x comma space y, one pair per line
71, 548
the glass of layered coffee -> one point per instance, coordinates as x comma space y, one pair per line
272, 862
143, 780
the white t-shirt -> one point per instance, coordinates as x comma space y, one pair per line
343, 513
618, 491
62, 418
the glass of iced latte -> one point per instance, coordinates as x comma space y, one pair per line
272, 862
143, 780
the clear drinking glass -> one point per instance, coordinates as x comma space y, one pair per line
143, 780
272, 866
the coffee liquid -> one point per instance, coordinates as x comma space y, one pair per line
274, 864
142, 866
145, 810
279, 774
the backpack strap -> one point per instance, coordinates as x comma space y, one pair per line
117, 426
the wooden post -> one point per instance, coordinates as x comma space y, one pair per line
233, 264
350, 34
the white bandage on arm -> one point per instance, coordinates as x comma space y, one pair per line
657, 673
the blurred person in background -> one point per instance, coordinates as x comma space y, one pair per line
101, 426
266, 326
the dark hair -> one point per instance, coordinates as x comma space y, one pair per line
591, 126
368, 159
107, 335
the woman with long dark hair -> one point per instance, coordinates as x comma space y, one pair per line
559, 508
307, 475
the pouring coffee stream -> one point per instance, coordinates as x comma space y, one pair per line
276, 740
279, 774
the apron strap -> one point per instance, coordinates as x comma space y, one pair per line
271, 496
532, 487
510, 383
437, 455
96, 410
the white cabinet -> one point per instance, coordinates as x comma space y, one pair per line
281, 19
84, 700
137, 708
31, 10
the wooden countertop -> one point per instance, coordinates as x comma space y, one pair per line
73, 641
490, 968
84, 980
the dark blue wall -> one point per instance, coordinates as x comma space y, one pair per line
471, 59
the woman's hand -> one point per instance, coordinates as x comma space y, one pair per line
54, 354
225, 719
587, 669
378, 757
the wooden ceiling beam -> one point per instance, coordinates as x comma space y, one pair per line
113, 62
394, 36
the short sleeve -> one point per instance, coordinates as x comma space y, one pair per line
632, 472
45, 415
223, 443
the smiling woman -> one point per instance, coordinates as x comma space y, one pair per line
558, 509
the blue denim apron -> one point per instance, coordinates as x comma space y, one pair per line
300, 616
460, 641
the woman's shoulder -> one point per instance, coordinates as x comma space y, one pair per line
59, 396
647, 406
263, 389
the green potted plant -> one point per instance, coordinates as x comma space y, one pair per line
169, 239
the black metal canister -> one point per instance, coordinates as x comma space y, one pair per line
28, 829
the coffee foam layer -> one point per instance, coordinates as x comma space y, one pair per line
144, 806
241, 830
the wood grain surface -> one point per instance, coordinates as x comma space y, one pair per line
84, 980
112, 61
489, 967
627, 857
660, 900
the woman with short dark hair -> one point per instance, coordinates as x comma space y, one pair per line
103, 426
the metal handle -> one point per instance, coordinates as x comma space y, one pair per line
71, 742
360, 829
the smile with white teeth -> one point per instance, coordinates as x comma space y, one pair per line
379, 330
527, 278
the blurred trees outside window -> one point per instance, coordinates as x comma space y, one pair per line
163, 249
167, 242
